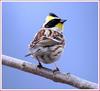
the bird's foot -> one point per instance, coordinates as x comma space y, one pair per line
39, 65
56, 70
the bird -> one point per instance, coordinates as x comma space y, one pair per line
48, 43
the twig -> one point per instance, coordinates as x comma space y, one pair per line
48, 73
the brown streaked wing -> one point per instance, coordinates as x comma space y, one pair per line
59, 36
38, 37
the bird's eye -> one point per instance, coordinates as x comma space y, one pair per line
47, 26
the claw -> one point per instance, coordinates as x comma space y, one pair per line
56, 70
39, 65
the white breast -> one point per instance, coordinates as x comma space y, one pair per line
48, 55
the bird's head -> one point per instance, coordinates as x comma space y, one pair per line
53, 21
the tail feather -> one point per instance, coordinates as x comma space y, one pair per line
28, 54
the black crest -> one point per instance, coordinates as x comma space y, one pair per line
52, 14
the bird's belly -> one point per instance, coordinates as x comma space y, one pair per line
48, 55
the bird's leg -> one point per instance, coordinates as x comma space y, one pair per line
56, 70
39, 63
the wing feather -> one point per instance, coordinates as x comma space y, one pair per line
47, 37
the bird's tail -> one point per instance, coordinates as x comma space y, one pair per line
28, 54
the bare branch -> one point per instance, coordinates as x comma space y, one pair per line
48, 73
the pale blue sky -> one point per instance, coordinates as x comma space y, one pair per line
22, 20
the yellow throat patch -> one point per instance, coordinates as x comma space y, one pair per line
60, 26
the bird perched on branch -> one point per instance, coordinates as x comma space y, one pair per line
48, 43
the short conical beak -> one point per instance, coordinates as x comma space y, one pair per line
63, 20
